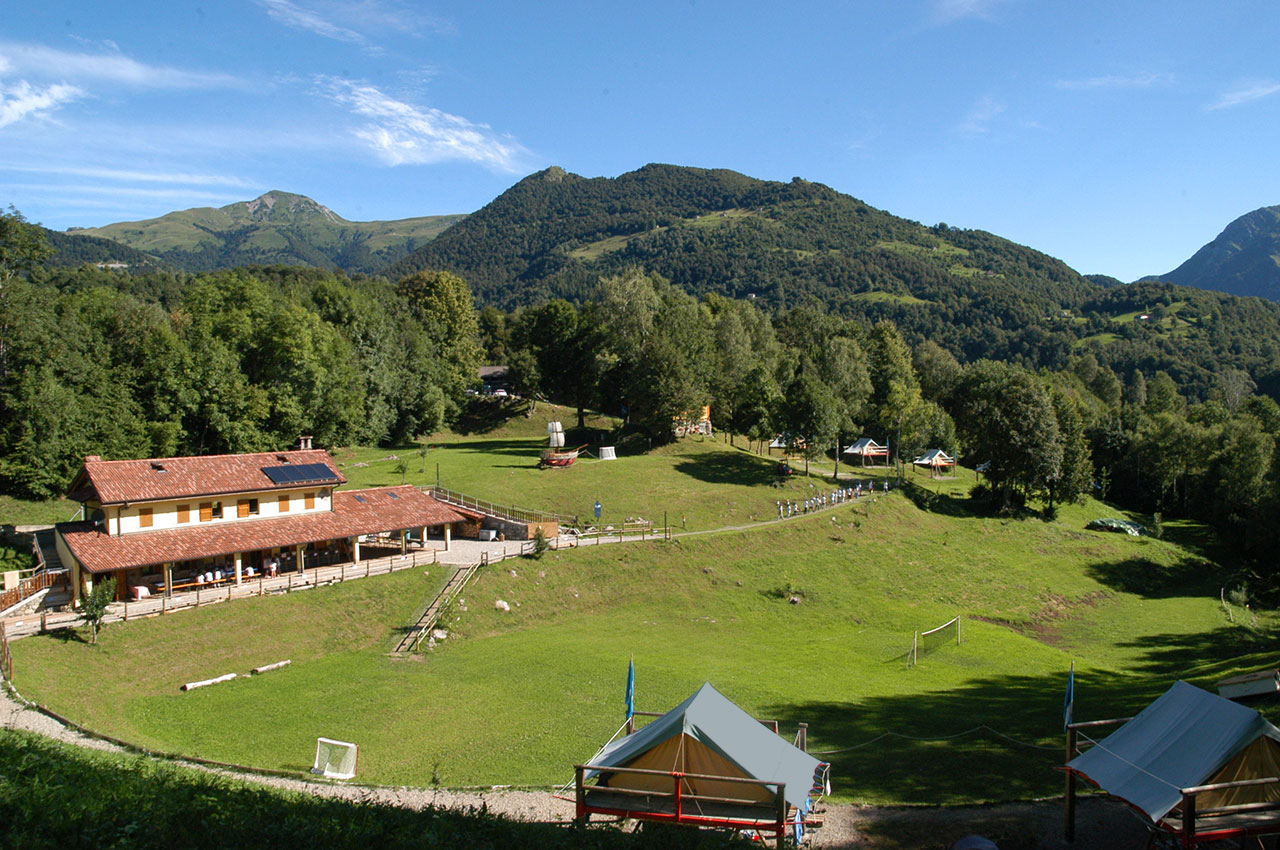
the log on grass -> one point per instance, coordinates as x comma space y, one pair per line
269, 667
193, 685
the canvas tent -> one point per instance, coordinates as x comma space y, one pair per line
866, 447
1160, 762
705, 762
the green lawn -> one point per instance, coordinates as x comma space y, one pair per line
517, 697
699, 481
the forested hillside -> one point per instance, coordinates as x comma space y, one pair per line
715, 231
70, 251
275, 228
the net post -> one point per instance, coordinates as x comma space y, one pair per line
957, 631
1069, 826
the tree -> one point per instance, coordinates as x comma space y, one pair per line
1006, 418
442, 302
896, 394
95, 605
811, 410
22, 247
1075, 475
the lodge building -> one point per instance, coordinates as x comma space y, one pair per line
161, 525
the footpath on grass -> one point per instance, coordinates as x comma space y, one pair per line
1101, 824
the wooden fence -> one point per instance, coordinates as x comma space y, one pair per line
29, 586
119, 612
510, 512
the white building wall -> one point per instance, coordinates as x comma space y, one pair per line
165, 514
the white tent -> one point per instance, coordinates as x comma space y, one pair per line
1186, 738
868, 447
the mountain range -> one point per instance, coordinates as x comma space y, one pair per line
1243, 260
274, 228
554, 233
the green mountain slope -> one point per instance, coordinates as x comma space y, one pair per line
275, 228
554, 234
1244, 259
74, 249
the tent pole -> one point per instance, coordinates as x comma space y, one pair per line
1069, 828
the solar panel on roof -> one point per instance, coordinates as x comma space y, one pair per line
394, 495
360, 499
300, 473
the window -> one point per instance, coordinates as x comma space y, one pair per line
144, 517
284, 504
309, 501
247, 507
217, 510
184, 513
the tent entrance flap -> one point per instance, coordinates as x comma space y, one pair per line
684, 754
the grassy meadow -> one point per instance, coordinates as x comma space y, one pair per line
517, 698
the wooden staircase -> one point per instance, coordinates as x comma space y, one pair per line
419, 630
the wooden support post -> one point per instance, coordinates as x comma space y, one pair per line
1188, 819
1069, 827
803, 736
679, 795
580, 793
782, 811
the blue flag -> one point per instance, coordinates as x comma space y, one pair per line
631, 689
1069, 703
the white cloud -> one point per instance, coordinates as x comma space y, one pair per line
21, 99
1245, 93
127, 191
292, 15
350, 21
126, 175
37, 60
403, 134
1142, 80
978, 119
946, 11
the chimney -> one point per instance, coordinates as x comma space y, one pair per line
304, 443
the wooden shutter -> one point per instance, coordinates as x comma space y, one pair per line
184, 513
284, 504
206, 511
144, 517
242, 507
309, 501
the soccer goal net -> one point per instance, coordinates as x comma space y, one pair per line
335, 759
926, 642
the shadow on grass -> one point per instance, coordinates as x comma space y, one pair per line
727, 468
1204, 654
485, 415
1188, 577
149, 804
496, 447
941, 503
1013, 762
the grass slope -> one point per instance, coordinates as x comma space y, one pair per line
131, 802
520, 696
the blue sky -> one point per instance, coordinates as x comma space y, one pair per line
1119, 137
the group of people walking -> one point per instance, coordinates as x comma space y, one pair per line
791, 507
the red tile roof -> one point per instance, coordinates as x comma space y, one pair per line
354, 512
114, 482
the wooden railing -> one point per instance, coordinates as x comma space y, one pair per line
29, 587
510, 512
772, 815
118, 612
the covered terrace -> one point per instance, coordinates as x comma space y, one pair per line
362, 524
